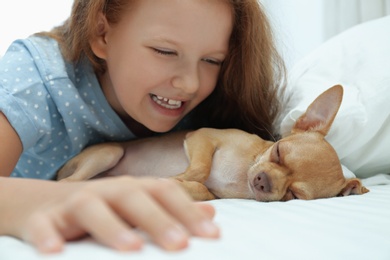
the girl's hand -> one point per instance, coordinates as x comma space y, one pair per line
109, 209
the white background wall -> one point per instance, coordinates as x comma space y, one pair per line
20, 18
298, 26
298, 23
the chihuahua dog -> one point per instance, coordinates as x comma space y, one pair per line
231, 163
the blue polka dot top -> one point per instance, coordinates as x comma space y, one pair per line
57, 108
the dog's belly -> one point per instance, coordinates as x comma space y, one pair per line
228, 177
152, 161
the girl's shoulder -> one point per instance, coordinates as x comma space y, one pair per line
39, 53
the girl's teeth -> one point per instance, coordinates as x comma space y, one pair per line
173, 102
167, 103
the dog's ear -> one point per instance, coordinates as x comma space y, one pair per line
320, 114
353, 187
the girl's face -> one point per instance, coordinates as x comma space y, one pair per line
163, 58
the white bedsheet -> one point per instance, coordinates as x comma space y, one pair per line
353, 227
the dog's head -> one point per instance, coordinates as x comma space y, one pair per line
304, 165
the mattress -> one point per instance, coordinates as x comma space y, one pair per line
353, 227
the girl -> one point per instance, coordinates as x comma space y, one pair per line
118, 70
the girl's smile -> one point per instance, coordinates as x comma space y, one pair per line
163, 58
166, 102
168, 107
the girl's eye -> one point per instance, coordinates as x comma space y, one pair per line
213, 62
164, 52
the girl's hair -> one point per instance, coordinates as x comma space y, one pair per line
251, 78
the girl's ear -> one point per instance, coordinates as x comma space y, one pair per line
98, 43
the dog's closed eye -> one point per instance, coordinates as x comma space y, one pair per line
275, 154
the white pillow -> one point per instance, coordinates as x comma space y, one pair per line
359, 60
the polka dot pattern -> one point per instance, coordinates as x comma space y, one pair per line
57, 108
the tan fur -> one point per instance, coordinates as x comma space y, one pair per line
231, 163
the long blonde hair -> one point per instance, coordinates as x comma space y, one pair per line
251, 78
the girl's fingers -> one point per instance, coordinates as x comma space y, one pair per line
208, 209
42, 234
107, 209
167, 213
164, 210
94, 216
141, 210
179, 204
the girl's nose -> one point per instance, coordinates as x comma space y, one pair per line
187, 79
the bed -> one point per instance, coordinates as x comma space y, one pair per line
351, 227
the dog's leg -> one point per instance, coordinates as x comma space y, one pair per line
196, 190
200, 148
91, 161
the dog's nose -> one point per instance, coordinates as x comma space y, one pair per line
261, 182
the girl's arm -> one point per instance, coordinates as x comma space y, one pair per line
47, 213
11, 147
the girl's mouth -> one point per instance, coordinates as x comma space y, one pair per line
166, 102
